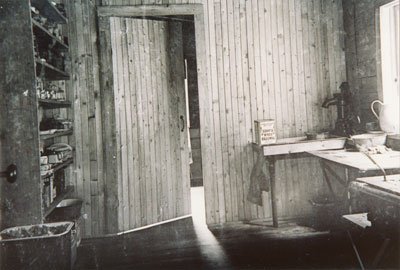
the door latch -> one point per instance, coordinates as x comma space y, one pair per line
10, 174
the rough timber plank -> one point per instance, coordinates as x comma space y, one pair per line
128, 108
238, 107
118, 80
206, 105
109, 136
135, 64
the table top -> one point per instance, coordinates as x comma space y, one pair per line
300, 145
392, 185
360, 161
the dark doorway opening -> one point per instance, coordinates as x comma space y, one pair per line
189, 54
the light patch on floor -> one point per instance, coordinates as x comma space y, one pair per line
209, 245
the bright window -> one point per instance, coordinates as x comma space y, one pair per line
390, 63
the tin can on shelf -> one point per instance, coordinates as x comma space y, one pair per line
264, 131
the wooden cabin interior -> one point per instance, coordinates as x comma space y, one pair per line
204, 134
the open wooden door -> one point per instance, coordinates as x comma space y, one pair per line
149, 142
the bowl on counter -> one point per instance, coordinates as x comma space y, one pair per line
365, 140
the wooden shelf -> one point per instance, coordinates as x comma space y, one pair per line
58, 167
49, 11
43, 34
62, 165
49, 72
57, 134
57, 200
53, 104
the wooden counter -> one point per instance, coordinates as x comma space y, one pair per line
301, 145
360, 161
391, 186
284, 148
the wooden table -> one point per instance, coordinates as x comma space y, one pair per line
287, 148
391, 186
355, 164
358, 160
379, 192
380, 200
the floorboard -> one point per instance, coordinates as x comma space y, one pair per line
190, 244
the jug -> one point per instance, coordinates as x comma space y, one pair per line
388, 117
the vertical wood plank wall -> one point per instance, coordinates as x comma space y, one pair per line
153, 176
87, 176
274, 59
266, 59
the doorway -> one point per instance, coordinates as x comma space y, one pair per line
152, 158
192, 104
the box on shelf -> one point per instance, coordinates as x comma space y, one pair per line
44, 160
46, 193
264, 131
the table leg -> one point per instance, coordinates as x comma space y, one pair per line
355, 250
271, 162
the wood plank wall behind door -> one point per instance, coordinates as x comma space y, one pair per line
274, 59
153, 177
267, 59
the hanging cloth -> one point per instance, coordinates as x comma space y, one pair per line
259, 180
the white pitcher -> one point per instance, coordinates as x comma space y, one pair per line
389, 119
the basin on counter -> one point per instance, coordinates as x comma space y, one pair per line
302, 144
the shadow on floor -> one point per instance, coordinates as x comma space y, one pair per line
190, 244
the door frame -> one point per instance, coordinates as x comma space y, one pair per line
107, 91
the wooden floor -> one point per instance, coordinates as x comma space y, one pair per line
190, 244
184, 245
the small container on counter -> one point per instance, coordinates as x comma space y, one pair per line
264, 131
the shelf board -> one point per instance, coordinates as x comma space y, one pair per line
49, 11
58, 167
50, 72
57, 134
44, 31
63, 165
53, 104
57, 200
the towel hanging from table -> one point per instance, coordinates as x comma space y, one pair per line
259, 180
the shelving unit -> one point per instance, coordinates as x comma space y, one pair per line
49, 45
34, 55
